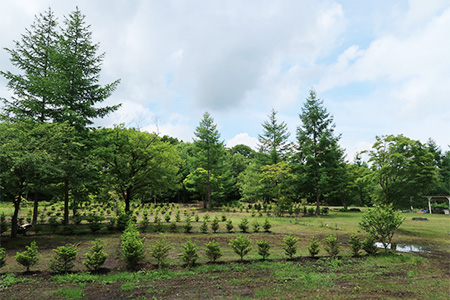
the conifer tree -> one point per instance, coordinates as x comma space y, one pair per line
273, 141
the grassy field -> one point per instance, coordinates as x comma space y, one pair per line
384, 276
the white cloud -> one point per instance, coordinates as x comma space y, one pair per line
244, 139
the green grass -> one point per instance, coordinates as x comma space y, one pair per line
71, 293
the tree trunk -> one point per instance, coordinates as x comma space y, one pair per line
35, 208
15, 216
66, 201
317, 199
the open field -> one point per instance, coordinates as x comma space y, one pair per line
395, 275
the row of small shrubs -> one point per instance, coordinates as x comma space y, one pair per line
62, 259
132, 248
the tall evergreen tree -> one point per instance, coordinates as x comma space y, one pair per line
210, 150
273, 141
33, 88
319, 154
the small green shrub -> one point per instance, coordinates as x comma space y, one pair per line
241, 246
196, 217
229, 226
53, 222
204, 227
369, 246
132, 246
243, 225
3, 223
160, 251
96, 257
224, 217
313, 248
215, 224
263, 249
256, 226
173, 226
187, 226
213, 251
189, 255
355, 244
29, 257
2, 257
206, 217
62, 260
144, 223
289, 248
122, 220
332, 246
266, 225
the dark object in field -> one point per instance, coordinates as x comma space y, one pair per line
354, 210
23, 228
419, 219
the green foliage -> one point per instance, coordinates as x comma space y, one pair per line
274, 140
267, 225
204, 227
132, 246
381, 222
264, 249
188, 226
229, 226
62, 260
3, 224
320, 158
122, 220
173, 226
215, 224
256, 226
278, 181
29, 257
160, 252
369, 246
243, 225
355, 244
241, 245
96, 257
189, 255
289, 248
213, 251
313, 248
2, 257
402, 168
94, 222
332, 246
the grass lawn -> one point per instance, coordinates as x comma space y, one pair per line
384, 276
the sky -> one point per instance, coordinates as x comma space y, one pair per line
380, 67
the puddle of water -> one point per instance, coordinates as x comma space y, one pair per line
405, 248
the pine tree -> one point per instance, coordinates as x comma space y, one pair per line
210, 150
319, 154
273, 141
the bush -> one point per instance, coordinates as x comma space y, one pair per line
53, 222
189, 255
332, 246
29, 257
324, 211
355, 244
111, 223
96, 257
62, 260
215, 224
3, 224
160, 251
224, 217
241, 246
313, 248
213, 251
243, 225
2, 257
95, 223
144, 223
381, 222
188, 226
267, 225
368, 245
229, 226
122, 220
173, 226
290, 249
132, 246
263, 249
204, 227
256, 226
158, 226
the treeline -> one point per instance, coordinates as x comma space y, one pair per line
48, 151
